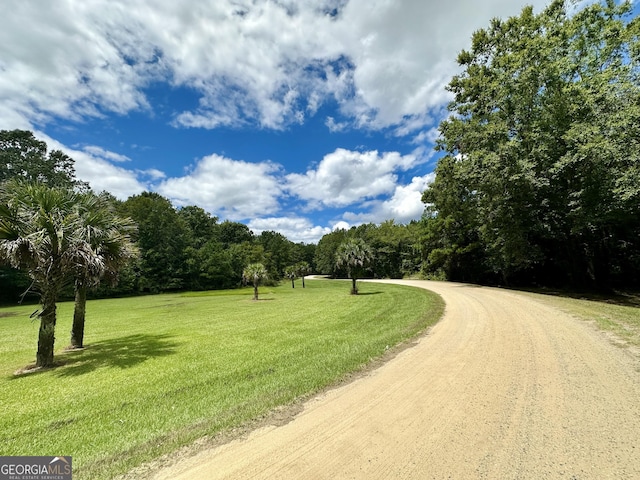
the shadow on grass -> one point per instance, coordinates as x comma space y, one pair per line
360, 293
123, 352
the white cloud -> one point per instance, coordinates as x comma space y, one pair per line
152, 173
341, 225
98, 172
227, 188
403, 206
345, 177
296, 229
107, 155
404, 53
65, 59
334, 126
385, 62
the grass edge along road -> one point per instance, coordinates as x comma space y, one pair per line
161, 371
618, 316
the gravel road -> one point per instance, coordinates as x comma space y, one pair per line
503, 387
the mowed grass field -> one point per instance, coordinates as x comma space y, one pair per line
161, 371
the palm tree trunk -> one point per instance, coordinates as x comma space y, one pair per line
293, 285
79, 310
354, 288
302, 281
255, 291
46, 335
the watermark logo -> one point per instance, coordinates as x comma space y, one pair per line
35, 468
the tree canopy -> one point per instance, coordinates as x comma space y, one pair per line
24, 156
540, 181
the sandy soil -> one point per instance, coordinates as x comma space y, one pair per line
503, 387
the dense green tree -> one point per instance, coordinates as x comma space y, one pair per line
23, 156
203, 250
255, 273
109, 237
325, 254
397, 249
202, 227
41, 232
540, 175
230, 233
212, 267
162, 238
303, 252
277, 250
355, 255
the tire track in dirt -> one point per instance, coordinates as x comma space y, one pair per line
503, 387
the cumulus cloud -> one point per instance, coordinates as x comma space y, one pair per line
345, 177
99, 173
228, 188
403, 206
341, 225
296, 229
63, 59
264, 62
404, 53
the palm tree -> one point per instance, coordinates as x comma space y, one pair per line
291, 273
354, 254
41, 233
109, 237
254, 273
302, 269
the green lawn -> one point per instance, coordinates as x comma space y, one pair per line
161, 371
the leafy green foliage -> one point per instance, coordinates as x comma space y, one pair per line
355, 255
109, 237
255, 273
162, 242
44, 233
539, 182
23, 156
397, 249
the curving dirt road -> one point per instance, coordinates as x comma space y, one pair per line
503, 387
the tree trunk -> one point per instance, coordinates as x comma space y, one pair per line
79, 310
255, 292
303, 281
292, 283
354, 288
46, 335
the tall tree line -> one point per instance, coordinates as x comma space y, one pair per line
397, 249
540, 178
189, 249
177, 249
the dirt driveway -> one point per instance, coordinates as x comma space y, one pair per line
503, 387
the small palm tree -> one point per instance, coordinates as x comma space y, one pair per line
42, 234
302, 269
291, 273
109, 237
355, 255
254, 273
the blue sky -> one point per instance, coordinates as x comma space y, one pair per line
294, 116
